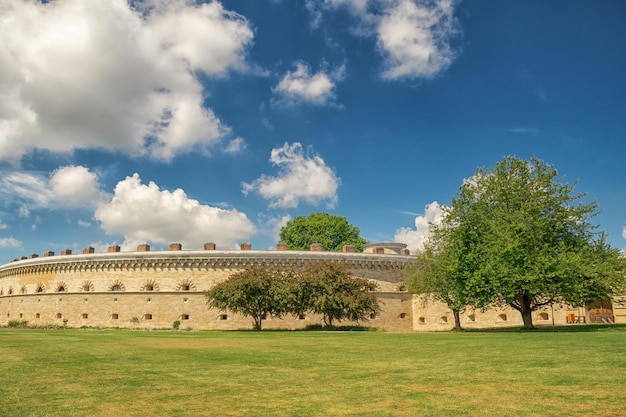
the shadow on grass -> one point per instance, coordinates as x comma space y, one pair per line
570, 328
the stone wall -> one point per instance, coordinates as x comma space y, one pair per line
153, 289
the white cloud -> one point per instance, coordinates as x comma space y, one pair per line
300, 86
3, 226
70, 186
144, 213
276, 224
413, 36
301, 177
415, 238
9, 242
79, 74
235, 145
624, 232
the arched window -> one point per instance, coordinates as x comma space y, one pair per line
422, 320
402, 315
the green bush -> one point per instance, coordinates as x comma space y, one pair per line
176, 324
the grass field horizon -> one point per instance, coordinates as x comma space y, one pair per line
575, 371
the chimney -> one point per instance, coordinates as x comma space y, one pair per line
176, 246
33, 256
379, 250
209, 246
281, 246
405, 251
88, 249
316, 247
246, 246
48, 253
66, 252
113, 248
143, 248
348, 249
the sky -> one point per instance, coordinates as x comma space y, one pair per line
163, 121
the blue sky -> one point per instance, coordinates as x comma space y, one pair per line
181, 121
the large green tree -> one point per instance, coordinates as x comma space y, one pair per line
257, 292
332, 232
518, 235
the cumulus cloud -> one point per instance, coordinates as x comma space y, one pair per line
79, 74
69, 186
302, 177
624, 232
415, 238
301, 86
145, 213
413, 36
9, 242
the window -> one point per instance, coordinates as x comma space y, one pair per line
543, 316
115, 316
184, 287
443, 319
61, 288
59, 316
85, 316
184, 317
471, 317
422, 320
402, 315
502, 317
149, 287
147, 317
116, 287
301, 317
223, 317
10, 291
37, 316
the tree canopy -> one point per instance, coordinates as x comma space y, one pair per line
335, 294
321, 288
257, 292
332, 232
518, 235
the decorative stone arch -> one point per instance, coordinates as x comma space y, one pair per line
1, 292
61, 287
117, 286
10, 292
40, 287
401, 287
23, 290
87, 286
186, 285
150, 285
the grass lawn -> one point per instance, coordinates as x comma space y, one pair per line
576, 371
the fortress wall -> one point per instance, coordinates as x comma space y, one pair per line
430, 315
153, 289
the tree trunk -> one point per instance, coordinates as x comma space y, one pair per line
257, 323
457, 320
526, 311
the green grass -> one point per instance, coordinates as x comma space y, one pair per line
115, 373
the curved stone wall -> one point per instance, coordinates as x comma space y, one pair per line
154, 289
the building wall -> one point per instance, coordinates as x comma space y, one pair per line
158, 288
153, 289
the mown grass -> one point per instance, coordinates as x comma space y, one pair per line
114, 373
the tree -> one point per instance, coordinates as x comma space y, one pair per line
330, 290
332, 232
517, 235
436, 276
257, 292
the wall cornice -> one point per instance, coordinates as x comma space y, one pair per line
196, 260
